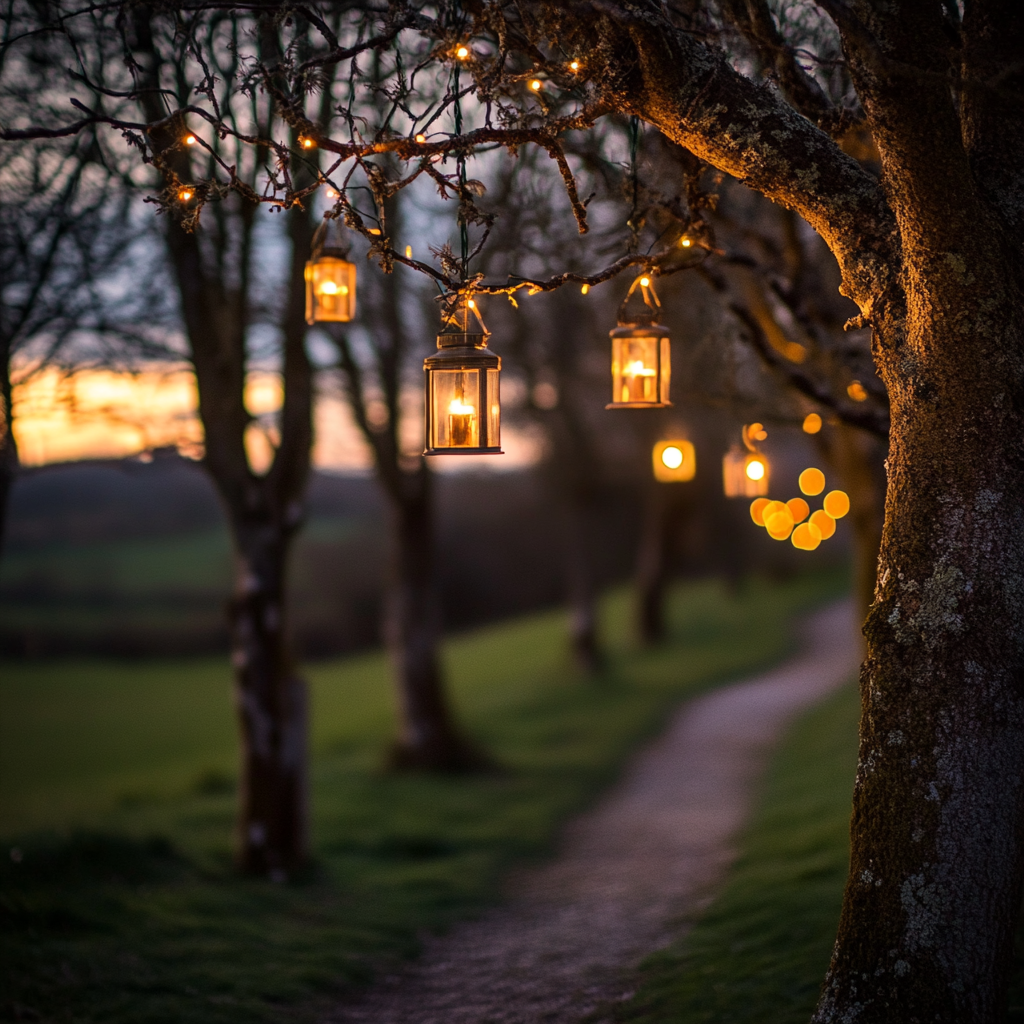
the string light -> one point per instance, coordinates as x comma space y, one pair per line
536, 84
584, 289
421, 138
686, 243
408, 252
185, 194
306, 142
575, 65
190, 140
462, 52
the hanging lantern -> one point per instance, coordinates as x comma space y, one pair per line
674, 461
745, 470
641, 354
330, 277
463, 407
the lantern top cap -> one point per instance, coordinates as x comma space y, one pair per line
461, 323
330, 240
633, 313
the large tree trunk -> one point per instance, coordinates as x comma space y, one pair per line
428, 739
652, 568
938, 822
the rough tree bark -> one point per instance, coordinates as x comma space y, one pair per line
8, 443
934, 263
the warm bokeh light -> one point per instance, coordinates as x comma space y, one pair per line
645, 282
811, 481
585, 288
306, 143
757, 507
836, 504
674, 461
408, 252
806, 537
686, 243
812, 423
462, 52
799, 509
857, 391
779, 524
755, 469
185, 194
824, 522
536, 84
190, 140
421, 138
575, 65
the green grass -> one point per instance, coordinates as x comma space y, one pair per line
760, 952
116, 787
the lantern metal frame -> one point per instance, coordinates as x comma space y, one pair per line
641, 324
326, 250
462, 347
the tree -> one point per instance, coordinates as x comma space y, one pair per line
931, 254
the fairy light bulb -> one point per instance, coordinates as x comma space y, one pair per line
421, 138
190, 140
584, 289
536, 84
575, 65
185, 194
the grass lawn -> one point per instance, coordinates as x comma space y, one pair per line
117, 793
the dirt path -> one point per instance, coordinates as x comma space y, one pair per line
629, 872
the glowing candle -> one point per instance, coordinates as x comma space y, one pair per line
460, 423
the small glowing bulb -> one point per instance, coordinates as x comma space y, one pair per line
408, 252
536, 84
374, 231
585, 289
462, 52
332, 193
812, 423
458, 408
575, 65
672, 457
471, 304
755, 470
421, 138
328, 288
190, 140
686, 243
857, 391
306, 143
645, 282
185, 195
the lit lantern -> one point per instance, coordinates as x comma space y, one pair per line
463, 407
330, 278
641, 355
745, 471
674, 461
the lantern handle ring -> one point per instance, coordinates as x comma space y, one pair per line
753, 432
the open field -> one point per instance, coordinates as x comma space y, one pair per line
117, 791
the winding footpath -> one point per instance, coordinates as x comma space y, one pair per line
630, 873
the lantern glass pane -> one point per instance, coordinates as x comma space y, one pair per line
330, 290
494, 409
455, 408
635, 370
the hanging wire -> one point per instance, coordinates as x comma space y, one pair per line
461, 159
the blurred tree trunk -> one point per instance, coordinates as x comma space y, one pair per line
578, 513
858, 459
8, 444
264, 511
428, 737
